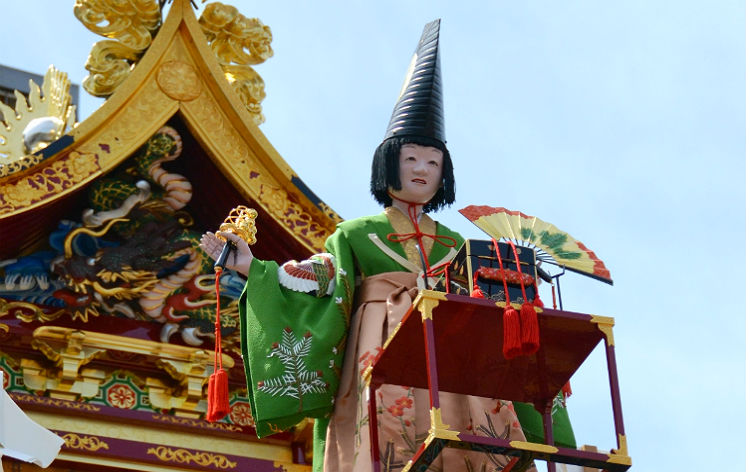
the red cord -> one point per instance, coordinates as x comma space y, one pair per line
518, 266
505, 281
446, 241
217, 324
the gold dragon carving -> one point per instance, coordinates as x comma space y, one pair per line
239, 42
130, 25
49, 108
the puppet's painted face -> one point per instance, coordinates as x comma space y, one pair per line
421, 173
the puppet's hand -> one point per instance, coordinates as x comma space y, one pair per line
238, 260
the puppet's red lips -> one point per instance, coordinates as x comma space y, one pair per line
419, 181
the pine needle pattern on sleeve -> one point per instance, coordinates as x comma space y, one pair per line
297, 379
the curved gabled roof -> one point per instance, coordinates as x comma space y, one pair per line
177, 79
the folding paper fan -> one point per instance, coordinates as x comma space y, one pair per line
550, 243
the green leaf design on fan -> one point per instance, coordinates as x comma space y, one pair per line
552, 242
555, 241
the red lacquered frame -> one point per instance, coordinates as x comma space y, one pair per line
465, 334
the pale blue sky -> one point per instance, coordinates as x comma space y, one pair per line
622, 123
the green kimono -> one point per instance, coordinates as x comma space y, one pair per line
293, 342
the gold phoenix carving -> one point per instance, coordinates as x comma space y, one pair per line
183, 456
52, 103
130, 25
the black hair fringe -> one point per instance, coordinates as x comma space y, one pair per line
385, 172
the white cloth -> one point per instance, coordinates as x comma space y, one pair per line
23, 439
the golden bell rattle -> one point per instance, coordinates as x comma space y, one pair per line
240, 221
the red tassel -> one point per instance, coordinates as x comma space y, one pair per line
218, 396
511, 333
566, 390
218, 383
476, 292
538, 301
529, 329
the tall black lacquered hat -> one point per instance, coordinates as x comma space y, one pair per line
419, 108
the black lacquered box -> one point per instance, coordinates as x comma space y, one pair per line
477, 261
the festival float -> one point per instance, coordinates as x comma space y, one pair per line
109, 310
107, 304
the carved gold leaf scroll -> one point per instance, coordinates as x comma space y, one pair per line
47, 401
130, 25
239, 42
183, 456
86, 443
27, 312
59, 176
52, 102
196, 423
291, 214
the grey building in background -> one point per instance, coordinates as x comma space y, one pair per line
14, 79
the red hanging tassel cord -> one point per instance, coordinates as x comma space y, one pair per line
218, 383
529, 321
476, 292
511, 320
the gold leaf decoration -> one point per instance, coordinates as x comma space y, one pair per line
183, 456
179, 80
109, 64
330, 213
196, 423
50, 108
239, 42
285, 210
27, 312
130, 25
48, 182
86, 443
47, 401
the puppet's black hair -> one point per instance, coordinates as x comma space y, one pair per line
385, 171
